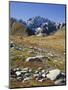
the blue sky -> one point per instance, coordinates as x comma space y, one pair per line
25, 11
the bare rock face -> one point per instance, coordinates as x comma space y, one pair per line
53, 74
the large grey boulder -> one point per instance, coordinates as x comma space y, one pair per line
53, 74
36, 58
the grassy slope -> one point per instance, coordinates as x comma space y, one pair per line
54, 43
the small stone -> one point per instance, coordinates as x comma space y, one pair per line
35, 75
30, 70
41, 80
36, 72
19, 78
18, 73
43, 75
25, 69
40, 68
43, 71
27, 78
18, 69
50, 54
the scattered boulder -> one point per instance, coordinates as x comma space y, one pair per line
43, 71
53, 74
25, 69
36, 58
40, 68
40, 75
12, 73
26, 79
32, 59
18, 48
60, 79
18, 73
61, 75
19, 78
41, 80
12, 45
60, 82
15, 71
43, 75
35, 75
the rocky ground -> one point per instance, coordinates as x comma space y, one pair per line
37, 61
33, 59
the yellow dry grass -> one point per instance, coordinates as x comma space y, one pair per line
56, 41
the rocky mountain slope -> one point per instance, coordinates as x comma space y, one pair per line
34, 26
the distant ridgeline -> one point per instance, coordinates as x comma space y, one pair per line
38, 26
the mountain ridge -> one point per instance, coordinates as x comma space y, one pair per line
34, 26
